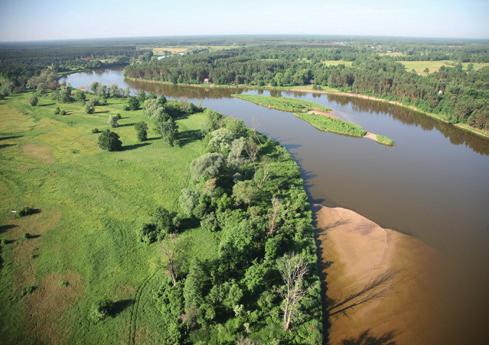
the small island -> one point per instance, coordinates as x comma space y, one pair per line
316, 115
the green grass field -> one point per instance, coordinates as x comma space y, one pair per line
83, 244
433, 66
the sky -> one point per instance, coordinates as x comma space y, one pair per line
25, 20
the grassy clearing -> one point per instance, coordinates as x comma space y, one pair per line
433, 66
292, 105
328, 124
83, 243
337, 62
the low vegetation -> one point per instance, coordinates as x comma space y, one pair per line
313, 113
291, 105
329, 124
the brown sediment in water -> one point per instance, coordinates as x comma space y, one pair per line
380, 282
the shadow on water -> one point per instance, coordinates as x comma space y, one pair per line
366, 338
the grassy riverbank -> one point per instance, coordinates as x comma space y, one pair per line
291, 105
83, 245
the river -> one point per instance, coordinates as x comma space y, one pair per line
433, 184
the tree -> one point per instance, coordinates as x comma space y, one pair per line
167, 128
293, 268
33, 101
174, 256
141, 130
132, 103
109, 141
166, 222
207, 166
148, 233
90, 107
113, 121
188, 201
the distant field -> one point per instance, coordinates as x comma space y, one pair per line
184, 49
434, 66
337, 62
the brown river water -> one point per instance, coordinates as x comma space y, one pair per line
433, 184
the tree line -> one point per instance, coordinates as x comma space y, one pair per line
459, 94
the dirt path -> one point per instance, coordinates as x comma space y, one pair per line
135, 308
380, 282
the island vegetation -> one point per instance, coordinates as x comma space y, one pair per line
315, 114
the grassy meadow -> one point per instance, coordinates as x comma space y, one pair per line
82, 245
292, 105
433, 66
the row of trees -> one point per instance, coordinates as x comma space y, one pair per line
263, 285
461, 95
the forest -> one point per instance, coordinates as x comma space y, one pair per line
458, 93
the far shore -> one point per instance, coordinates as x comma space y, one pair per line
328, 91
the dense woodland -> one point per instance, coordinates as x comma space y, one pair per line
460, 94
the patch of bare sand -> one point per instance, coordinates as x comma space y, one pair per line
323, 113
371, 136
44, 308
380, 283
39, 152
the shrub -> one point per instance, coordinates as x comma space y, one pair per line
95, 130
33, 101
141, 131
148, 233
109, 141
90, 108
28, 290
132, 104
101, 310
26, 236
113, 121
210, 222
57, 111
64, 112
166, 222
188, 201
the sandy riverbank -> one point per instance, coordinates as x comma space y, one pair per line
380, 282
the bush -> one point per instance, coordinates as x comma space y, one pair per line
141, 131
109, 141
64, 112
95, 130
90, 108
132, 104
57, 111
28, 290
33, 101
188, 201
148, 233
101, 310
166, 222
113, 121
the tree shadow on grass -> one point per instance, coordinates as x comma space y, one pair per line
47, 104
15, 136
2, 146
366, 338
127, 124
189, 136
154, 138
134, 146
189, 223
101, 112
6, 227
119, 306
